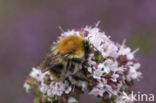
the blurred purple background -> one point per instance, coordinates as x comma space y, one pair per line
28, 27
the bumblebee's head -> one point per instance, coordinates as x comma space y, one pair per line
86, 48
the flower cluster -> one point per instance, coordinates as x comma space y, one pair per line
110, 70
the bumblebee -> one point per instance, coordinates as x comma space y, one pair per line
65, 58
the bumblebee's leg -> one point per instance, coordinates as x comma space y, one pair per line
67, 69
72, 68
69, 63
79, 76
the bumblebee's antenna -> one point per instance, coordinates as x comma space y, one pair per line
97, 24
61, 29
89, 38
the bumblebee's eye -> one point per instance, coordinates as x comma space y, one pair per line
86, 45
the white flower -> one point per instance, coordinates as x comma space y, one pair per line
68, 90
114, 77
36, 74
133, 73
89, 69
90, 61
98, 73
72, 100
70, 32
44, 88
27, 87
106, 69
83, 85
97, 91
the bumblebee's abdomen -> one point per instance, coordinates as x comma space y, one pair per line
56, 71
71, 44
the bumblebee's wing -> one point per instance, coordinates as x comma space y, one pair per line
56, 64
49, 61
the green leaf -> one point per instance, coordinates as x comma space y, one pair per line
56, 101
37, 100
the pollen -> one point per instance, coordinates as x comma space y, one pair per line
72, 43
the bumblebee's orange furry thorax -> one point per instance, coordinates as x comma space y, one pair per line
72, 43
